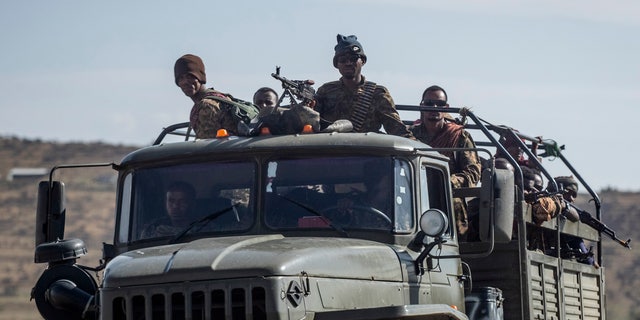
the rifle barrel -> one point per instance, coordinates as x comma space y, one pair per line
588, 219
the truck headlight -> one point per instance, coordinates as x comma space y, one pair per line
434, 223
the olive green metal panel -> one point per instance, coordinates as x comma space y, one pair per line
544, 299
501, 269
535, 288
575, 293
573, 228
583, 285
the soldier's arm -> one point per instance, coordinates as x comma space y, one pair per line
207, 120
468, 164
388, 115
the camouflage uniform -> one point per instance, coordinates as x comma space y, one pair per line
209, 115
336, 101
159, 228
463, 165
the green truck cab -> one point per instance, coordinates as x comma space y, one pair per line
310, 226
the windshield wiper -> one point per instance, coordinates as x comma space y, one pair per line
317, 213
203, 222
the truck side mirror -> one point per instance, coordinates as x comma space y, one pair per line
50, 212
497, 205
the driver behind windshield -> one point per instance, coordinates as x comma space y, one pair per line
357, 208
179, 200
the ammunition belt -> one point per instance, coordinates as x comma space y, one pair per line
362, 108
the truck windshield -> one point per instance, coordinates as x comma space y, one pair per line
370, 193
215, 197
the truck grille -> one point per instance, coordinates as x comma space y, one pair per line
192, 302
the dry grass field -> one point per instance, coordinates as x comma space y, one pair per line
90, 212
90, 217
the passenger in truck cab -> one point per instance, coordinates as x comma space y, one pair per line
207, 114
439, 131
265, 97
179, 203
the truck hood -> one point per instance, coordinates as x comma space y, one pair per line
254, 256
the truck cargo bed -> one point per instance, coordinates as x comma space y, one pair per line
558, 288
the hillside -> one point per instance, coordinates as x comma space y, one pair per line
91, 207
89, 213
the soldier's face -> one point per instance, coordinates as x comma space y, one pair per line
431, 99
569, 195
265, 99
538, 182
350, 65
189, 84
529, 184
515, 152
177, 204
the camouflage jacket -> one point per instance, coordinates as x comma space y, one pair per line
208, 116
336, 101
464, 165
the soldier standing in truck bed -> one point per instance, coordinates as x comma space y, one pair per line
367, 105
436, 130
207, 114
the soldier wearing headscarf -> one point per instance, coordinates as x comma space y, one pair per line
367, 105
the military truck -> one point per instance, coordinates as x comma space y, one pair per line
314, 226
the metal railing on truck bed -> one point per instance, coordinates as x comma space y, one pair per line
535, 285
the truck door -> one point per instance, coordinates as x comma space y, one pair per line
435, 192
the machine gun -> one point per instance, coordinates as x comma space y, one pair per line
588, 219
280, 119
301, 89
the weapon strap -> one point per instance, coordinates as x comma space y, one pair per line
244, 110
361, 111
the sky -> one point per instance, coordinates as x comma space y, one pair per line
87, 71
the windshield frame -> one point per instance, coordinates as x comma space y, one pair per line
218, 184
316, 188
